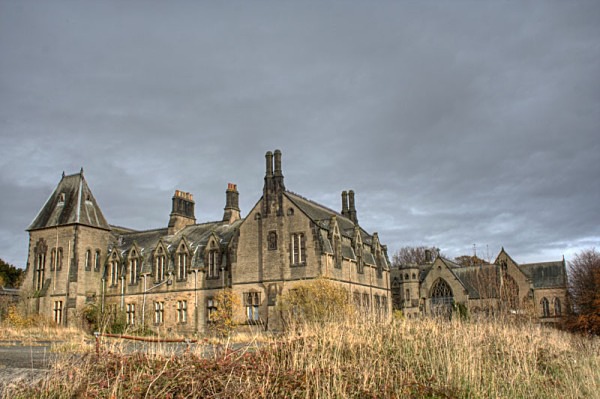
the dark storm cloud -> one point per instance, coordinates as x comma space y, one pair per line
455, 123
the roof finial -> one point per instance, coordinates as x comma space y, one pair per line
81, 171
63, 175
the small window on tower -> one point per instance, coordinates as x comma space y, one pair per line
61, 198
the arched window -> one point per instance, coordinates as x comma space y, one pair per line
114, 270
88, 259
213, 261
545, 307
557, 309
272, 241
97, 261
441, 293
40, 264
133, 267
159, 265
182, 262
59, 259
509, 293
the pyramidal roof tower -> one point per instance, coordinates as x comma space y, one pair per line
71, 202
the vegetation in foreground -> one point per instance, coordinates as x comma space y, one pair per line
417, 358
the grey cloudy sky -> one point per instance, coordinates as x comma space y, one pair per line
456, 123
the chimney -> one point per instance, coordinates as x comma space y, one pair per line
274, 187
232, 207
269, 158
182, 212
352, 209
345, 204
278, 163
427, 256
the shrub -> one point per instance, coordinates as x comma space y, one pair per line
315, 301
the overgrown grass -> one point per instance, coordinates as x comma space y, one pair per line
413, 358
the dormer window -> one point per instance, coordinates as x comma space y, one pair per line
159, 265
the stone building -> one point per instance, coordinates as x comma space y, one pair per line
435, 287
168, 277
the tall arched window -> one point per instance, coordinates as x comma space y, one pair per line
441, 293
545, 307
442, 298
88, 259
114, 270
213, 261
133, 267
159, 265
557, 308
40, 264
509, 292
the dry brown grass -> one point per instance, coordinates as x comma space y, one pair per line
407, 358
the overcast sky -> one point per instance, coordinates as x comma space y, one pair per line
456, 123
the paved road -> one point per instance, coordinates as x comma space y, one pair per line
26, 357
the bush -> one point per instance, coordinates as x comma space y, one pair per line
223, 321
315, 301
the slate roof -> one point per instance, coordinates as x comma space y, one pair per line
545, 274
197, 237
71, 202
321, 215
473, 277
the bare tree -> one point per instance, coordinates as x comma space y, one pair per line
413, 255
584, 293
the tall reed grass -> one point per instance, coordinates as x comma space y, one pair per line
425, 358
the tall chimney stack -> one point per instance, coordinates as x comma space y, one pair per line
352, 209
344, 203
232, 208
182, 212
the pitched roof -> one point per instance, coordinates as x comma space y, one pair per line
71, 202
545, 274
197, 236
321, 215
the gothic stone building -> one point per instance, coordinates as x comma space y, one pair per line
537, 289
167, 278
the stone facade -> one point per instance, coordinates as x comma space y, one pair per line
167, 278
537, 289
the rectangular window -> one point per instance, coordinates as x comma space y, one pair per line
159, 312
211, 310
356, 299
298, 249
252, 302
130, 314
58, 307
181, 311
384, 305
213, 264
365, 301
